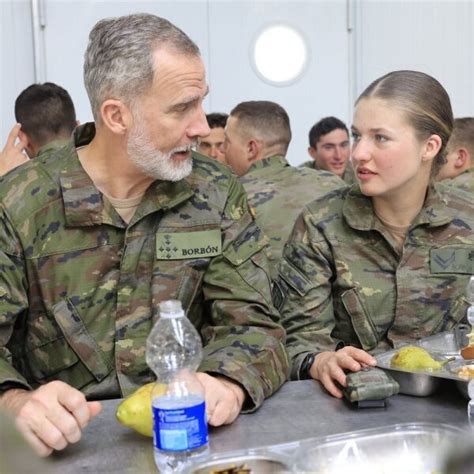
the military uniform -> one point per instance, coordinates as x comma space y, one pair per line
348, 176
79, 287
342, 282
278, 193
51, 147
464, 181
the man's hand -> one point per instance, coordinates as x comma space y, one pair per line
50, 417
12, 154
224, 399
328, 367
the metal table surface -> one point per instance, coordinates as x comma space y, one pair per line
297, 411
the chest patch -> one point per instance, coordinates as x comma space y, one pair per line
452, 260
185, 245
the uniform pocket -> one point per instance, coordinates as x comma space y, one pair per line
80, 340
46, 361
361, 321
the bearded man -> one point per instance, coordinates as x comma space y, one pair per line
95, 235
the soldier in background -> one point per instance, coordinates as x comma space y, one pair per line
46, 119
211, 145
386, 263
95, 235
459, 167
257, 137
329, 148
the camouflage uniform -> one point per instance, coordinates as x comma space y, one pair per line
348, 176
342, 282
464, 181
79, 288
278, 193
51, 147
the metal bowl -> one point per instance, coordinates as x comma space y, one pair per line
409, 448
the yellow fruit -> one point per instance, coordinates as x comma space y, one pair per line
135, 411
414, 358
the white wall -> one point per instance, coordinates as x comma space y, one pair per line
16, 58
435, 36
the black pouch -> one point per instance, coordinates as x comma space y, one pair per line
370, 387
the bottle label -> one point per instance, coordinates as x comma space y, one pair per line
180, 429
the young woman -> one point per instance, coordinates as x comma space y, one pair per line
387, 260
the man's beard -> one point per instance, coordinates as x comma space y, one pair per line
156, 163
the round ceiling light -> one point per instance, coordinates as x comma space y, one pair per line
280, 54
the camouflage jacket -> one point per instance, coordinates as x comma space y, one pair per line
464, 181
79, 287
277, 193
341, 281
348, 176
51, 147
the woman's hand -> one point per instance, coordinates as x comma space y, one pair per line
329, 367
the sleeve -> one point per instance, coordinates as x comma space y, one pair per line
13, 299
245, 341
303, 294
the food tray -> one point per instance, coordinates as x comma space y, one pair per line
423, 383
403, 448
406, 447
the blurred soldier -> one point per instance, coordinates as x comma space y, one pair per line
95, 235
46, 118
329, 148
212, 144
257, 137
388, 262
459, 167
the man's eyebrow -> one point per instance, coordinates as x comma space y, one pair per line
190, 100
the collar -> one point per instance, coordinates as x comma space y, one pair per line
359, 212
52, 146
84, 203
275, 161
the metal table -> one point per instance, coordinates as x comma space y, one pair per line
299, 410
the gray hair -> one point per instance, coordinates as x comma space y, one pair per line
118, 62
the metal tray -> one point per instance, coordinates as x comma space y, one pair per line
409, 448
405, 447
423, 383
254, 463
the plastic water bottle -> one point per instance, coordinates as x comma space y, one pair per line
174, 352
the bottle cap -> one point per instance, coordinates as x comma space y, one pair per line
171, 309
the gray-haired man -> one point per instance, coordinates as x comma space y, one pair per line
122, 218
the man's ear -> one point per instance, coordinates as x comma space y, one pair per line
29, 147
431, 147
253, 149
312, 152
116, 116
462, 155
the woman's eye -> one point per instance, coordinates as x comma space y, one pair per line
355, 137
381, 138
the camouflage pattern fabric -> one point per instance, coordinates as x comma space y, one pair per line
278, 192
341, 281
464, 181
79, 288
370, 384
348, 177
51, 147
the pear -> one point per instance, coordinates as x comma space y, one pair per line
414, 358
135, 410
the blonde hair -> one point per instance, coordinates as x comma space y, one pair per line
424, 101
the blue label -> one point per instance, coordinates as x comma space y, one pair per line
180, 429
